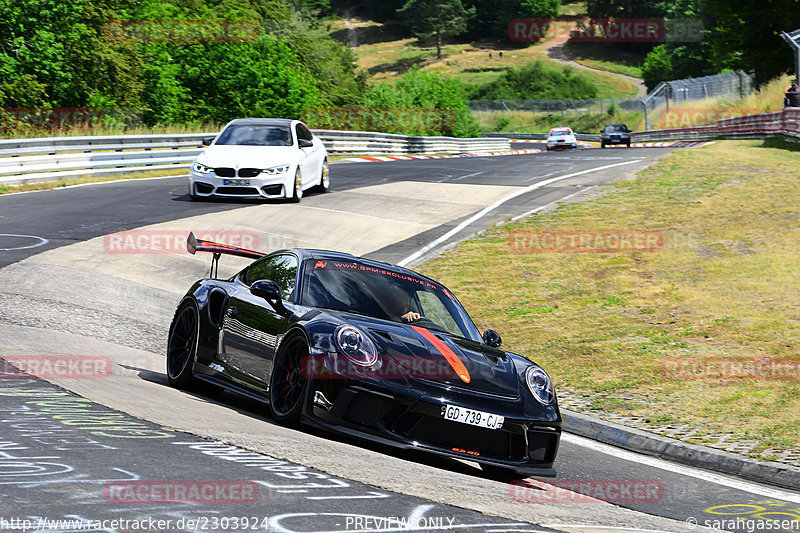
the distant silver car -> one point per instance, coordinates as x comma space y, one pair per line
260, 158
561, 138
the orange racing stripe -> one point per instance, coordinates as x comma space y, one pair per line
452, 358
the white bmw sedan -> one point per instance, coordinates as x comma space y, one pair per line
260, 158
560, 138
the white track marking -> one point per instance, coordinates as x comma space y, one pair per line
662, 464
605, 528
369, 496
42, 242
554, 202
480, 214
468, 175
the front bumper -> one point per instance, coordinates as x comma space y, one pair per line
561, 145
207, 185
616, 140
406, 420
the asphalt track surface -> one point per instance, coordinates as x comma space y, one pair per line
34, 443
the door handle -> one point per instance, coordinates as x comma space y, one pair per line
231, 312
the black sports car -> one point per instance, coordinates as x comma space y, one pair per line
367, 349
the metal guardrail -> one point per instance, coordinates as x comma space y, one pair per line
588, 137
58, 158
784, 123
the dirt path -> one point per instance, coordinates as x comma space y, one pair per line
352, 34
554, 48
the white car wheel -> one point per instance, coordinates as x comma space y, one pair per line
325, 177
298, 186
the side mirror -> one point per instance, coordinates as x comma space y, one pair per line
492, 338
304, 143
269, 290
207, 141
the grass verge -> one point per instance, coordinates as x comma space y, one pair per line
531, 122
723, 287
6, 189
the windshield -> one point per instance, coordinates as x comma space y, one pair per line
370, 290
255, 135
616, 127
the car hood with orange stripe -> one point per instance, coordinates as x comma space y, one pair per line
449, 361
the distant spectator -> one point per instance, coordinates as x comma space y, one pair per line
490, 55
793, 95
501, 54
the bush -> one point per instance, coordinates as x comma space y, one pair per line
418, 103
537, 81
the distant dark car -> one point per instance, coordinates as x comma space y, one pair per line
367, 349
615, 134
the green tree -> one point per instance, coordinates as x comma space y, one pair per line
59, 44
437, 17
657, 67
492, 16
746, 33
623, 8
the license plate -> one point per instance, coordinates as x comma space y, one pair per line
236, 182
472, 417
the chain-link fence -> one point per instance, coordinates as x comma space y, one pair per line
734, 85
563, 107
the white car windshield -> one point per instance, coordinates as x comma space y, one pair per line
255, 135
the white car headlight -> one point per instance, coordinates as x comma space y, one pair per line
540, 385
272, 171
202, 169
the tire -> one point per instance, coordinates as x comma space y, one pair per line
287, 385
184, 333
628, 145
297, 194
602, 145
325, 178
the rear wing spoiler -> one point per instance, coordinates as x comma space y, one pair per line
194, 245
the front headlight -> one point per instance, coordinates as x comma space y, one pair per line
272, 171
540, 385
201, 168
355, 346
